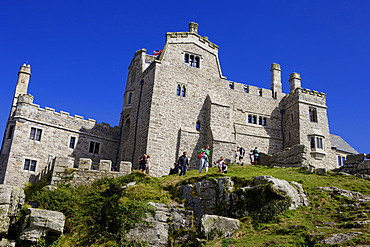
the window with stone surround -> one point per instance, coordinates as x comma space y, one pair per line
94, 147
316, 142
35, 134
313, 114
181, 90
192, 60
72, 142
10, 132
29, 165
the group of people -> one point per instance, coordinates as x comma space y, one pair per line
253, 155
145, 163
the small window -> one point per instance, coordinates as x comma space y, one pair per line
183, 91
264, 121
260, 91
10, 132
246, 89
35, 134
254, 120
197, 62
72, 142
249, 118
186, 58
197, 125
291, 117
231, 85
192, 60
129, 99
178, 90
339, 161
94, 147
29, 165
313, 114
343, 159
260, 120
312, 142
289, 136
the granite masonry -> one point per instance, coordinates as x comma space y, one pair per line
176, 101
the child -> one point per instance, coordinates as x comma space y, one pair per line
219, 164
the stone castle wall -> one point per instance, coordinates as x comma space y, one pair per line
57, 128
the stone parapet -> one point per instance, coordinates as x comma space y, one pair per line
85, 173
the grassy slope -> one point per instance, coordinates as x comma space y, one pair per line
325, 215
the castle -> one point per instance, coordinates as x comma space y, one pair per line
175, 101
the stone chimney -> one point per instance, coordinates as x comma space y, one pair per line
295, 81
276, 85
193, 27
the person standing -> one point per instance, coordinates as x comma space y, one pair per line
203, 155
251, 156
183, 163
142, 163
256, 155
241, 154
148, 164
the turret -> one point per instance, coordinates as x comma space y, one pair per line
24, 76
276, 85
295, 81
193, 27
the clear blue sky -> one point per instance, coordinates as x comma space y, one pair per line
80, 50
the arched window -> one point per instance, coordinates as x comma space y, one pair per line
178, 90
197, 125
183, 91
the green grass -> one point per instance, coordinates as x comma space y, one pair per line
101, 214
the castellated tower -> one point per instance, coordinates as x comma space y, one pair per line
305, 122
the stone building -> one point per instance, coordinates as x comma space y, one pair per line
175, 101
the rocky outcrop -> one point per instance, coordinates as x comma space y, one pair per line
265, 196
167, 221
40, 222
208, 196
218, 226
11, 201
295, 156
340, 238
357, 196
293, 189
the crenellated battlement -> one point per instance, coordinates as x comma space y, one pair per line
48, 114
203, 39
